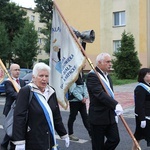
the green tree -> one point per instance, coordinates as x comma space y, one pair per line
44, 8
4, 43
25, 45
13, 18
126, 63
3, 3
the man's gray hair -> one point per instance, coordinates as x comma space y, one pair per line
101, 57
40, 66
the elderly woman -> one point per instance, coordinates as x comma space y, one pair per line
35, 122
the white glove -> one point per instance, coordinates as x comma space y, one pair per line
67, 141
20, 147
116, 118
119, 109
143, 124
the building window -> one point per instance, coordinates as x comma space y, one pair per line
39, 30
32, 18
39, 18
40, 41
117, 44
119, 18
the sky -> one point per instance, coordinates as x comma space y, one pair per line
24, 3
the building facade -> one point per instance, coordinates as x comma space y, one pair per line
109, 19
35, 18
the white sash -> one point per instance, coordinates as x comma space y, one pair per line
107, 85
47, 107
146, 87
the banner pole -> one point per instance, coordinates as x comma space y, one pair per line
91, 64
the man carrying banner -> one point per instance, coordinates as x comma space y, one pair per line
103, 109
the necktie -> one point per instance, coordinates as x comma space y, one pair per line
17, 80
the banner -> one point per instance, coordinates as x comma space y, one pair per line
66, 58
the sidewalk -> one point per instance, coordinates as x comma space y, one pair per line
124, 94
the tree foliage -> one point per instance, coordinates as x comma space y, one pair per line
4, 43
13, 18
18, 38
25, 45
44, 8
126, 63
3, 3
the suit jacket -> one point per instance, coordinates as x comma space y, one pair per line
102, 106
38, 135
11, 94
142, 102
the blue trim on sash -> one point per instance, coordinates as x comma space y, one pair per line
108, 89
146, 87
47, 118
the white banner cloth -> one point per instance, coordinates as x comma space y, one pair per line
66, 58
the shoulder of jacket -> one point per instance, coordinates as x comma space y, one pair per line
26, 87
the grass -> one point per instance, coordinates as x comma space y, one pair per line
117, 81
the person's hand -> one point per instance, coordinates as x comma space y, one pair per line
20, 147
143, 124
84, 100
67, 141
118, 109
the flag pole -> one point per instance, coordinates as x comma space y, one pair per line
5, 70
92, 66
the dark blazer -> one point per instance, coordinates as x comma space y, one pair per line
142, 102
102, 106
11, 94
38, 135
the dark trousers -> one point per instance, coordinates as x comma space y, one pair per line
76, 107
104, 137
5, 143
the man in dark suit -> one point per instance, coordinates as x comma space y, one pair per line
11, 96
103, 109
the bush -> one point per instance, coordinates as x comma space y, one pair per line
117, 81
126, 63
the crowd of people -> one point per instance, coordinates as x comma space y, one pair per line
100, 120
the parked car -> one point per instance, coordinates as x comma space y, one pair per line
28, 77
23, 72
